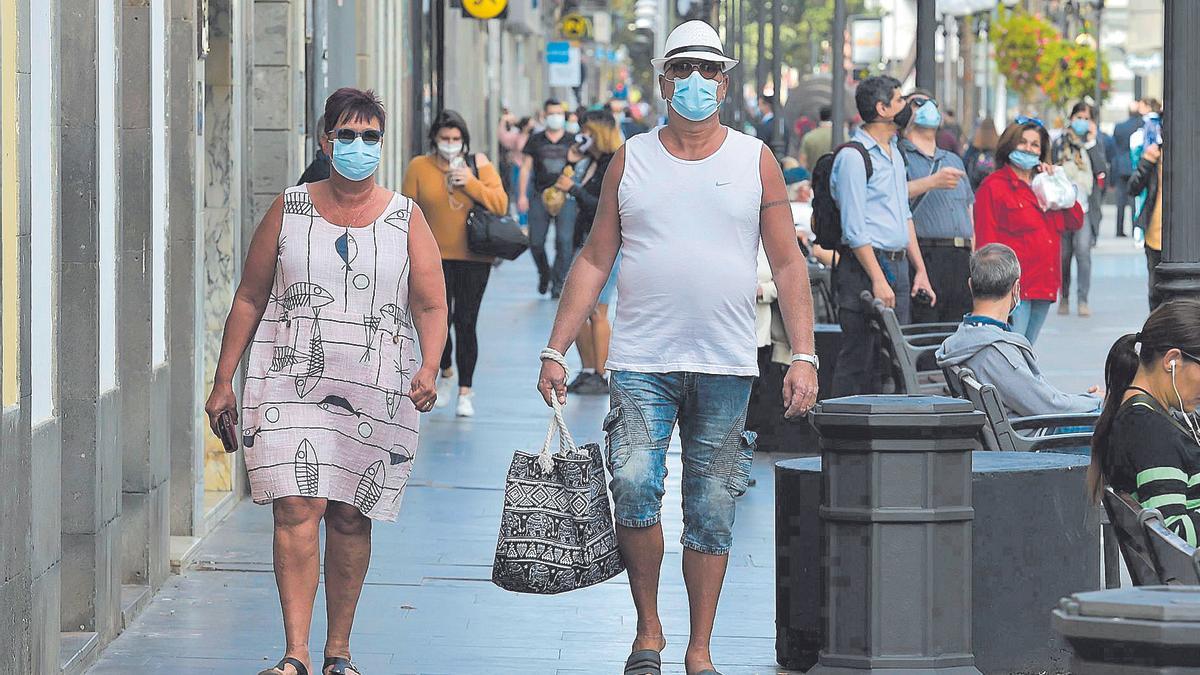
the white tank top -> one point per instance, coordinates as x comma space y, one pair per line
689, 246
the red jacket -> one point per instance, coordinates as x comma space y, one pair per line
1007, 212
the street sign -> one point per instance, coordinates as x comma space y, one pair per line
866, 40
574, 27
484, 9
565, 67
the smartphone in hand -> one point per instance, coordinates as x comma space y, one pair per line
227, 431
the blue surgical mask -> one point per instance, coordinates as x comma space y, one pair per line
1081, 127
356, 161
1024, 160
695, 97
928, 116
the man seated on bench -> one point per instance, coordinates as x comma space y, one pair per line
997, 355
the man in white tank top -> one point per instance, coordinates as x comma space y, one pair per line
687, 205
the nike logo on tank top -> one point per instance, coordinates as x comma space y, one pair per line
689, 245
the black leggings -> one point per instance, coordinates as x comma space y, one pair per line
465, 283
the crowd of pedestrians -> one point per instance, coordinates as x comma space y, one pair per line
698, 236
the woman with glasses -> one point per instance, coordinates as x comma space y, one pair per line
447, 183
342, 290
1146, 441
1007, 212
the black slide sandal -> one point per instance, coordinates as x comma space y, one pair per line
340, 664
277, 669
644, 662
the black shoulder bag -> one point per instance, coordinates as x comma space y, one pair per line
490, 234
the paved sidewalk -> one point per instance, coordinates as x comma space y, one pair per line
429, 605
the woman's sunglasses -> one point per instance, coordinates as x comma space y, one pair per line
683, 68
1025, 119
347, 136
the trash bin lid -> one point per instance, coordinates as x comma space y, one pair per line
1148, 603
896, 404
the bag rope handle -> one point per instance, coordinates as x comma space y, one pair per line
566, 443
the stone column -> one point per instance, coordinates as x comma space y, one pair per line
277, 101
18, 634
145, 534
90, 587
187, 472
1179, 271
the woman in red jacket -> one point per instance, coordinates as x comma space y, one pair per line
1007, 212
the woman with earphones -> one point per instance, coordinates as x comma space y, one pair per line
1146, 441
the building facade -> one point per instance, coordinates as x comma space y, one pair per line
140, 142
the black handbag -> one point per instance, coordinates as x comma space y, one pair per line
490, 234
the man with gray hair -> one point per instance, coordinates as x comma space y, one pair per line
997, 355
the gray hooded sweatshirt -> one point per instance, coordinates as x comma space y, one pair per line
1005, 360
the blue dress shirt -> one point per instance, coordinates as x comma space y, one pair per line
874, 214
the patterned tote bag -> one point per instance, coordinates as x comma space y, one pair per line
556, 533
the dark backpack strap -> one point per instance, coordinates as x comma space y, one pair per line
913, 204
471, 164
862, 150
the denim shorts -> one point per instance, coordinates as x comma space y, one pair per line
717, 450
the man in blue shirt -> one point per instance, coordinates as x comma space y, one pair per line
1122, 165
878, 237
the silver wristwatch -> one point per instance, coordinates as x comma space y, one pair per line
808, 358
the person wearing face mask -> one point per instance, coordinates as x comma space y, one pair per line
1073, 151
879, 241
1007, 212
446, 183
592, 153
545, 158
940, 199
342, 289
986, 343
687, 205
1146, 442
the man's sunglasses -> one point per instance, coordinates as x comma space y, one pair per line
1191, 357
1025, 119
919, 101
683, 68
347, 136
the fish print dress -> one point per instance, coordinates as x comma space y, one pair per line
326, 411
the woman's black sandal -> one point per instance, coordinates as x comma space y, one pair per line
340, 664
277, 669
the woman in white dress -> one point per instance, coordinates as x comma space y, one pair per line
342, 287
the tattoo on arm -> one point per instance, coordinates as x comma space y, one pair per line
777, 202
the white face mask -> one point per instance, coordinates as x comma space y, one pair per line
450, 150
556, 122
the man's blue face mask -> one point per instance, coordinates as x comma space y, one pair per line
928, 116
695, 97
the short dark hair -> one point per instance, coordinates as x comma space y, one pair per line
1011, 138
353, 105
995, 269
769, 99
825, 113
873, 91
451, 119
549, 102
602, 117
1080, 107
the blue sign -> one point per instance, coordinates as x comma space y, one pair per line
558, 52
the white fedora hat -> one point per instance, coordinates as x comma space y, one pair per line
693, 40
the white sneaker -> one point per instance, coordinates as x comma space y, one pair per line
465, 407
445, 387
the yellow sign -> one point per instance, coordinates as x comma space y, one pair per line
574, 27
484, 9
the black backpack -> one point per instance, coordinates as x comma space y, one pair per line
826, 217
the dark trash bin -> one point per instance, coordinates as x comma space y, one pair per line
896, 517
1144, 630
1032, 520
